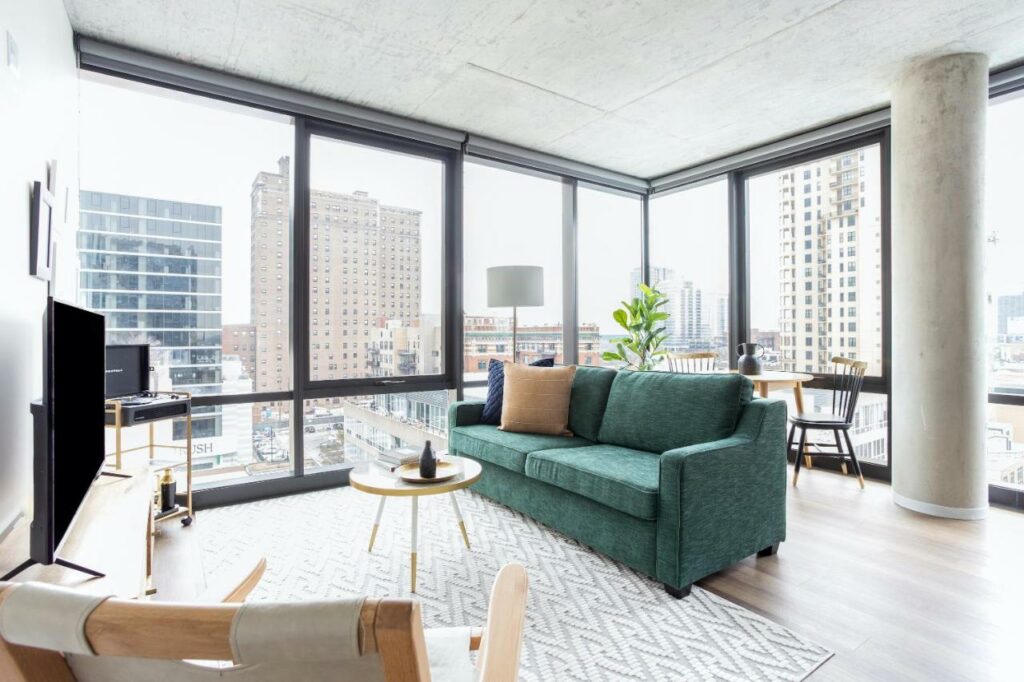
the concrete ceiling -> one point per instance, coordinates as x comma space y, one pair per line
643, 87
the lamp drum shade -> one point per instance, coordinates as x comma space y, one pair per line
515, 285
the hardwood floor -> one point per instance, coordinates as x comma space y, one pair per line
897, 595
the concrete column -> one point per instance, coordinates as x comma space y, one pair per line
939, 389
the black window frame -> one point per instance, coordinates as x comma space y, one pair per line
739, 260
306, 112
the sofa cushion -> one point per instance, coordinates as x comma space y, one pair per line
537, 399
617, 477
496, 388
504, 448
659, 411
589, 396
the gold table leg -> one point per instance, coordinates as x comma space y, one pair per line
458, 515
412, 556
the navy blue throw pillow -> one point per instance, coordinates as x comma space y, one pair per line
496, 389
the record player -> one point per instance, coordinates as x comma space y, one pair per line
127, 388
148, 406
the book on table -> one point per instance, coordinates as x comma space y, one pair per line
392, 459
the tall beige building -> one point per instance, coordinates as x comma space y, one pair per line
365, 266
270, 257
830, 265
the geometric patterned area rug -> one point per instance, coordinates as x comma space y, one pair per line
588, 617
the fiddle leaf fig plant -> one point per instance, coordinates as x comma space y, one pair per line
640, 349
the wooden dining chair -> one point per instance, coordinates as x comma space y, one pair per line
847, 380
702, 362
55, 634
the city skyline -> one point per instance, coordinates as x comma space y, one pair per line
213, 150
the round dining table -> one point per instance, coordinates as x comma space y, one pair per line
771, 379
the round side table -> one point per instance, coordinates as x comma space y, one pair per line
377, 481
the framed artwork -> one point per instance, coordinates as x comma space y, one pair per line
41, 232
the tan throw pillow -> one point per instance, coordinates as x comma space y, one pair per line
537, 399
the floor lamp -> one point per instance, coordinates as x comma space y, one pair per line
515, 286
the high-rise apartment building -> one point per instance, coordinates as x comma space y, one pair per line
364, 280
153, 268
270, 278
658, 274
239, 341
829, 231
1010, 316
698, 318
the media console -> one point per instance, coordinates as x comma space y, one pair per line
148, 406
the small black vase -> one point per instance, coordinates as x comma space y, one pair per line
428, 462
749, 362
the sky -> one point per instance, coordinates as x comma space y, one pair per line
209, 152
1004, 225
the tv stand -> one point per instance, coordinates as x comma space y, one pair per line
108, 549
60, 562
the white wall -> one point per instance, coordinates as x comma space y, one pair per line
38, 121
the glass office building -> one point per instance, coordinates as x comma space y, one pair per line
153, 268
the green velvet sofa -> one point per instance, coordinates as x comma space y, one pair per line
675, 475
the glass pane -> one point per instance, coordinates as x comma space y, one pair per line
1004, 279
1006, 446
355, 429
167, 182
816, 262
376, 270
475, 393
608, 248
870, 432
510, 218
690, 263
230, 443
174, 249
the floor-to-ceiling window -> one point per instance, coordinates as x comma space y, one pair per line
608, 246
510, 218
689, 256
183, 228
816, 276
376, 297
189, 240
1004, 285
375, 262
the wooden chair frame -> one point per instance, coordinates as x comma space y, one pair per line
700, 362
847, 381
393, 628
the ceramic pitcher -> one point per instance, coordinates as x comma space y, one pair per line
750, 358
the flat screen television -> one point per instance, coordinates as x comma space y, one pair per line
69, 432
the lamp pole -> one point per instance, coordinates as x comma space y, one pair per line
515, 348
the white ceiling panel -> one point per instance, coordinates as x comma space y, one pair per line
642, 87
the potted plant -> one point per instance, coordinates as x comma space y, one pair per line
641, 348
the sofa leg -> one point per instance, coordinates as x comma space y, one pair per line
769, 550
678, 592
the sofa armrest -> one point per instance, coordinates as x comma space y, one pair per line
722, 501
465, 413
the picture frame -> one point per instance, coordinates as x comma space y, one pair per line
41, 232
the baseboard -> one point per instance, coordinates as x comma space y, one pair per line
7, 525
961, 513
